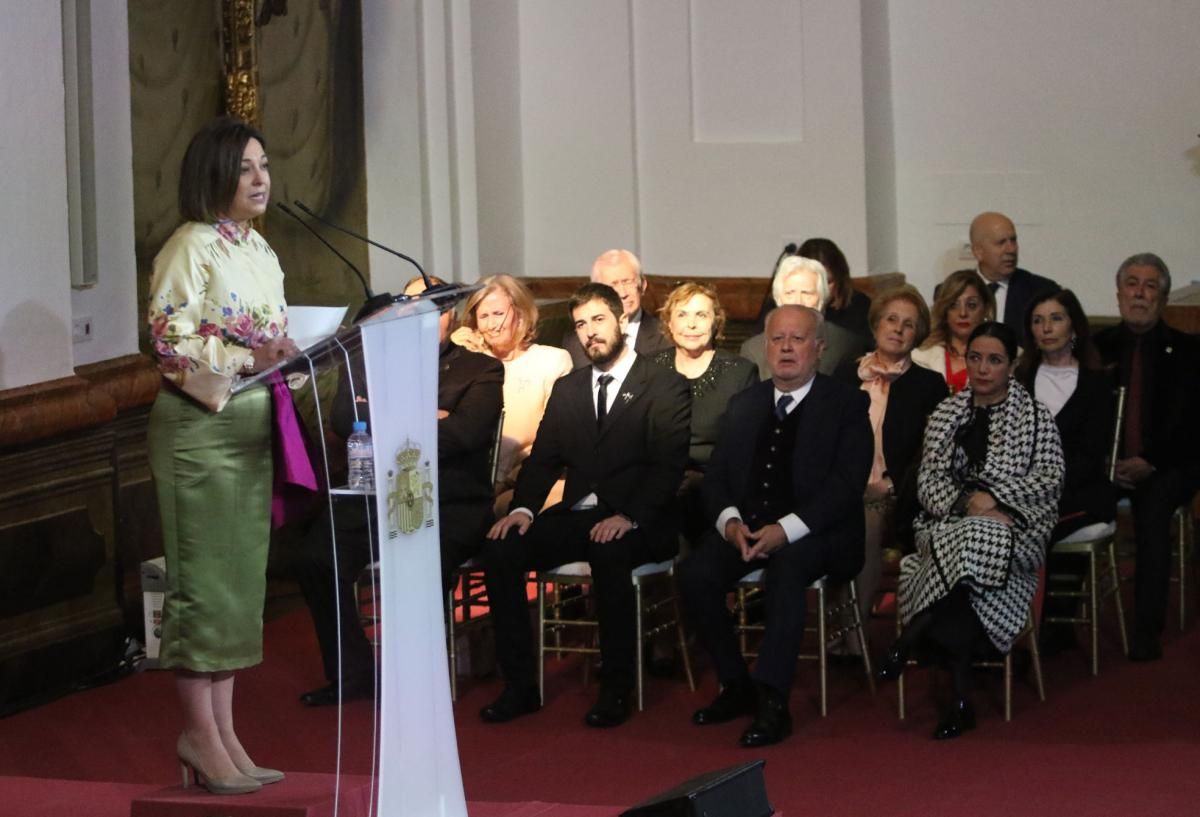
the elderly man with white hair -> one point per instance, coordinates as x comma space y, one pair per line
621, 270
805, 281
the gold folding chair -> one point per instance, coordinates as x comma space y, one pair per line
1097, 587
1029, 633
830, 627
556, 616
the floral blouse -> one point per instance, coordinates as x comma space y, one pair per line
216, 294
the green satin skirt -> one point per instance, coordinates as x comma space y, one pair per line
212, 474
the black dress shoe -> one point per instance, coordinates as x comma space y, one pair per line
328, 695
892, 664
772, 721
512, 703
1145, 648
960, 718
735, 699
612, 708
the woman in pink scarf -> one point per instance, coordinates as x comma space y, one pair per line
902, 397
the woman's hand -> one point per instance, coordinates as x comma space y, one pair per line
274, 351
980, 503
999, 515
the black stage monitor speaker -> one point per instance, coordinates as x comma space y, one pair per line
738, 791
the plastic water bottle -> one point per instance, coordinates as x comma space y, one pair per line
360, 459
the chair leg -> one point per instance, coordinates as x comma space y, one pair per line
1094, 611
899, 681
861, 631
681, 636
637, 614
451, 645
541, 653
1008, 673
741, 618
822, 649
1036, 656
1182, 540
1115, 575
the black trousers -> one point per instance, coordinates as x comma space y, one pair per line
708, 574
1153, 502
329, 592
558, 537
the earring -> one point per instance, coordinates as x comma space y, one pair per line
1073, 340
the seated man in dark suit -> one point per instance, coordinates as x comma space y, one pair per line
621, 270
1159, 462
784, 487
619, 429
470, 396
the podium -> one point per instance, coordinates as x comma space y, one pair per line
417, 771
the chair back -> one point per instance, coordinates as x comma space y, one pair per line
1118, 422
497, 438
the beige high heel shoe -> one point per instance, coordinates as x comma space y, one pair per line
234, 784
263, 776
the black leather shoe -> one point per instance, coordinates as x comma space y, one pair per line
512, 703
892, 664
960, 718
612, 708
1145, 648
772, 721
735, 699
328, 695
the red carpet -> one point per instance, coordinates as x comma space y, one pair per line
1123, 743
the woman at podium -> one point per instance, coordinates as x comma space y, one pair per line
216, 313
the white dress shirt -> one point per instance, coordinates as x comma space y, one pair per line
793, 526
632, 325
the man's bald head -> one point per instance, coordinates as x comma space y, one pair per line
994, 245
621, 270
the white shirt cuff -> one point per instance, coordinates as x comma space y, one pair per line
794, 527
525, 511
723, 519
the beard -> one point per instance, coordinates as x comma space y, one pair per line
601, 356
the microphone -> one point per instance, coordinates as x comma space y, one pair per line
429, 285
373, 302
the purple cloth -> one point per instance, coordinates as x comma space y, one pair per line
295, 484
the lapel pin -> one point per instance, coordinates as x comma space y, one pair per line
627, 396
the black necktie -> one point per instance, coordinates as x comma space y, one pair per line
781, 406
602, 399
993, 286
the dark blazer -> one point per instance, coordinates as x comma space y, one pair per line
471, 389
912, 397
650, 341
1170, 435
1023, 285
830, 465
1085, 424
634, 464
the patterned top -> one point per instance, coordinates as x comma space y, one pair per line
725, 376
215, 295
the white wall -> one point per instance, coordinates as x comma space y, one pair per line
112, 302
35, 305
1078, 120
701, 134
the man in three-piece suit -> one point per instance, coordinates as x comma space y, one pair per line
470, 397
621, 270
785, 487
1159, 462
994, 245
619, 429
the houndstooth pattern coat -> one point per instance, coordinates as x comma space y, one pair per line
1023, 469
